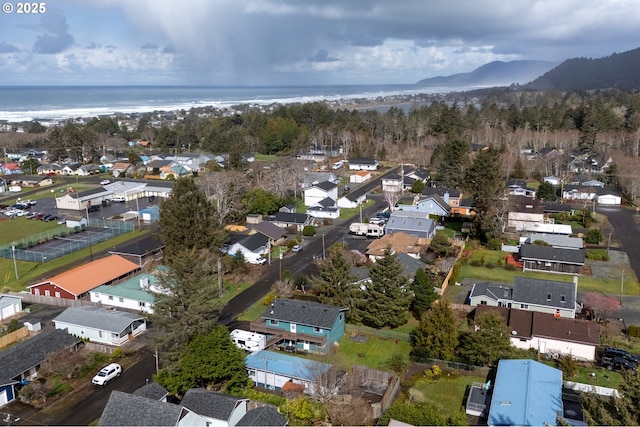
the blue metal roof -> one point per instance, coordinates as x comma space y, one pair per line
286, 365
526, 393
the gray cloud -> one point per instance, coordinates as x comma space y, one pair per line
56, 37
322, 56
149, 46
7, 48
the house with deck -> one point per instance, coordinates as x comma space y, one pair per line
552, 259
297, 325
279, 371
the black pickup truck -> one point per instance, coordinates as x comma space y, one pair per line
618, 359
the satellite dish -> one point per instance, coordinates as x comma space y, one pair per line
514, 332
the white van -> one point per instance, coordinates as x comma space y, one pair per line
15, 189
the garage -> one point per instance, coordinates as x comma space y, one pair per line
9, 306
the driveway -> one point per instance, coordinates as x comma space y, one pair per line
626, 231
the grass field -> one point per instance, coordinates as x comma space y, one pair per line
446, 394
20, 227
346, 213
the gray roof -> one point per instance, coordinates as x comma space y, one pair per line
291, 218
31, 352
98, 318
548, 253
152, 390
263, 416
363, 161
140, 247
535, 291
254, 241
269, 229
303, 313
124, 409
209, 403
325, 185
409, 224
491, 290
558, 240
410, 265
440, 191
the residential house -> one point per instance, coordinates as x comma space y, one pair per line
253, 248
548, 334
552, 260
313, 178
398, 242
48, 169
155, 166
296, 220
524, 212
431, 205
109, 327
70, 169
136, 293
78, 282
122, 169
278, 371
410, 267
537, 227
301, 325
20, 362
320, 191
275, 234
10, 168
10, 305
518, 187
580, 192
139, 250
353, 199
465, 208
219, 409
404, 179
413, 223
87, 170
544, 296
125, 409
359, 177
153, 390
526, 393
364, 164
610, 196
552, 179
263, 416
450, 196
325, 208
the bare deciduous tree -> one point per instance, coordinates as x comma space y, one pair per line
225, 190
392, 197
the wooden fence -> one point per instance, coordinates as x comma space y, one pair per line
13, 337
45, 300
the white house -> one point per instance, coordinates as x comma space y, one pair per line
320, 191
136, 293
253, 247
360, 177
109, 327
220, 410
326, 208
363, 164
9, 306
551, 179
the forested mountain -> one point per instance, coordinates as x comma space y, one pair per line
620, 70
496, 73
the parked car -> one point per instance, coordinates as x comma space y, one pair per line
118, 199
107, 373
618, 352
261, 260
62, 221
46, 218
296, 248
93, 208
15, 189
105, 182
618, 363
30, 215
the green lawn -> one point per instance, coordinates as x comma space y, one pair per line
346, 213
233, 289
12, 230
373, 353
445, 394
266, 157
253, 312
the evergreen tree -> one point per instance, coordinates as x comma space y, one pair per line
187, 303
611, 411
336, 285
388, 296
453, 158
547, 192
483, 182
211, 361
437, 335
489, 343
423, 293
187, 220
518, 170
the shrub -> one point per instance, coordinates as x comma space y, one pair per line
494, 244
491, 265
633, 331
475, 263
309, 231
594, 236
510, 267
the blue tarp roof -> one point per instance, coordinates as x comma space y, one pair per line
526, 393
285, 365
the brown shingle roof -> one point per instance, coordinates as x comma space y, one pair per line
89, 276
400, 242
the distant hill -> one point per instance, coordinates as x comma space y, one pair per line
497, 73
620, 70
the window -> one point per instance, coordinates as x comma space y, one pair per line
120, 299
483, 302
563, 298
273, 322
81, 331
57, 294
549, 297
341, 317
523, 340
47, 293
251, 372
97, 294
317, 330
100, 334
110, 297
36, 291
142, 304
524, 306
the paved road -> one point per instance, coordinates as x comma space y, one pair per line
88, 402
300, 263
625, 230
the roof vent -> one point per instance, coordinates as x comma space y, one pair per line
271, 312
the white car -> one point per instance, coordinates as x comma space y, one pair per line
118, 199
107, 373
105, 182
296, 248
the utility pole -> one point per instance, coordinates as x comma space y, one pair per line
220, 275
621, 287
15, 266
323, 257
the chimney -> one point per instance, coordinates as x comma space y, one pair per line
445, 197
144, 282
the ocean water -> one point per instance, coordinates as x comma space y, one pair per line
25, 103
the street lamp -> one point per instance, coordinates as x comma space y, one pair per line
323, 257
15, 265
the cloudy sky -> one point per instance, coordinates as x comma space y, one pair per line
299, 42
